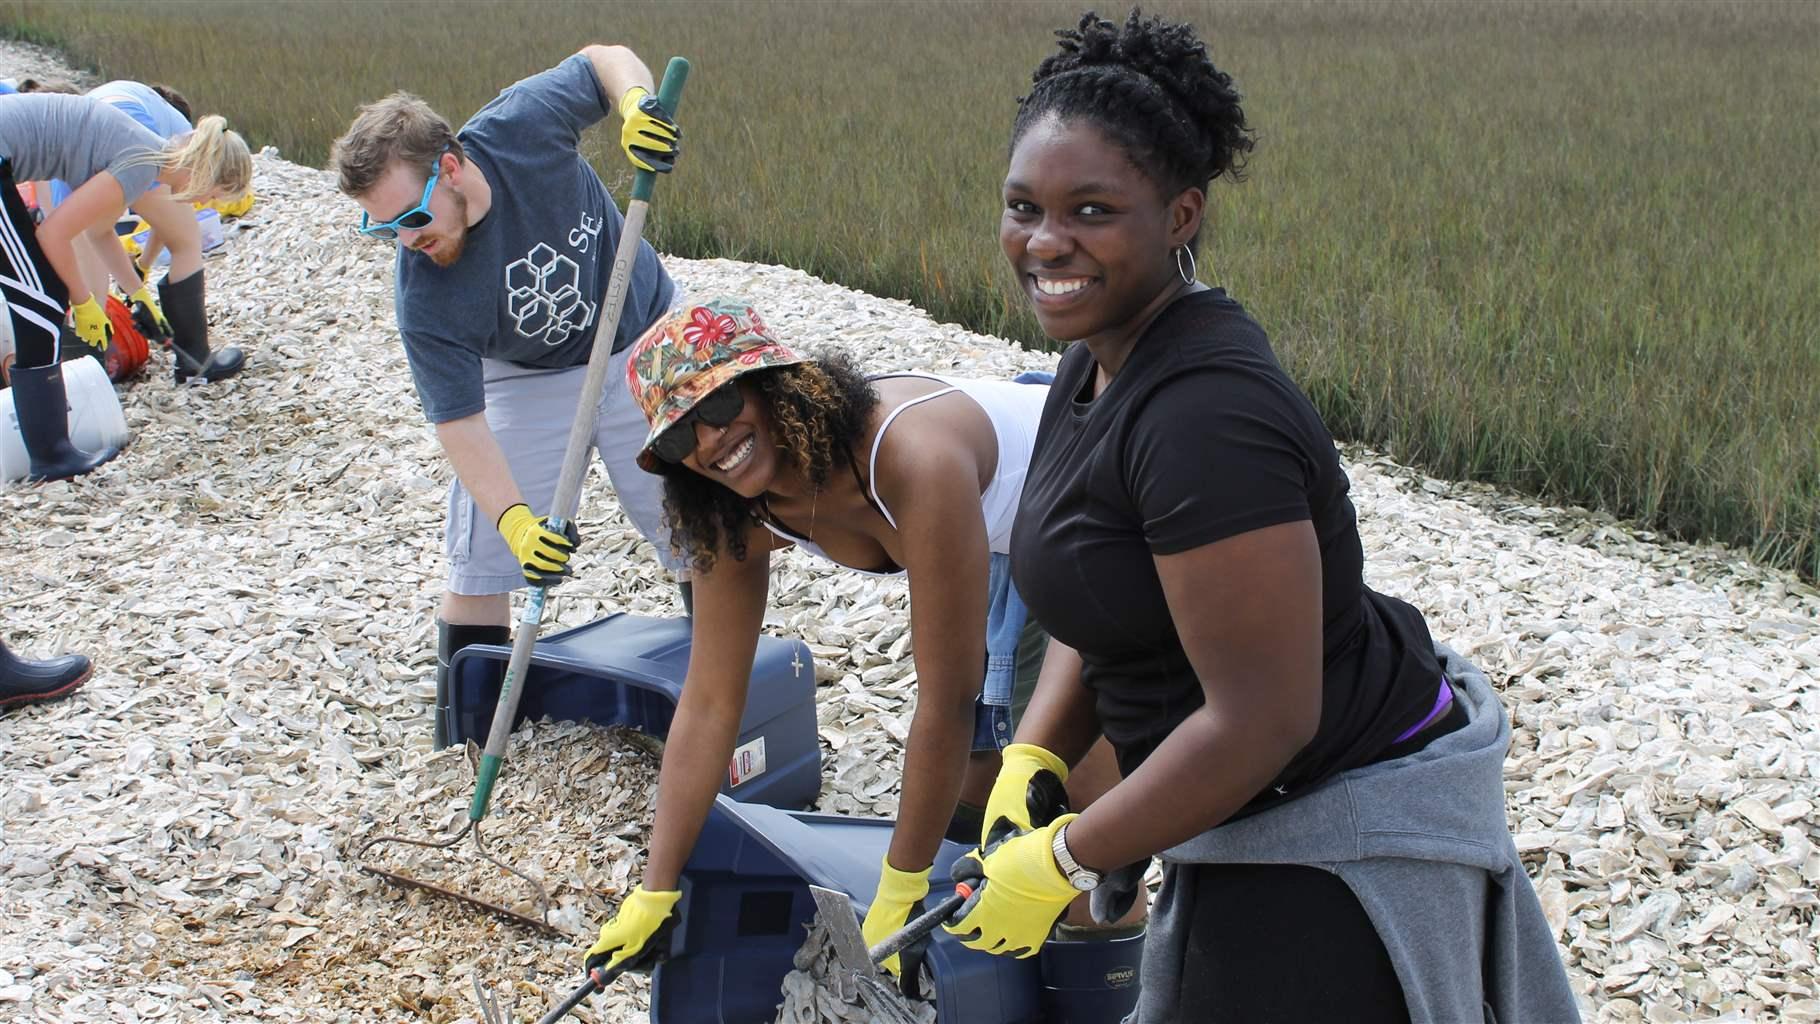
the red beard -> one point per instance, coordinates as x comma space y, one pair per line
449, 246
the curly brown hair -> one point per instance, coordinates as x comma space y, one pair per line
817, 409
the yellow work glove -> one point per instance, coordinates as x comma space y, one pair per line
642, 915
900, 897
91, 324
1023, 895
150, 316
542, 553
649, 134
1028, 792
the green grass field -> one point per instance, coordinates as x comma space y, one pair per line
1569, 247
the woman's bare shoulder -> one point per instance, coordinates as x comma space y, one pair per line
931, 442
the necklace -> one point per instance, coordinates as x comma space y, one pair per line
814, 500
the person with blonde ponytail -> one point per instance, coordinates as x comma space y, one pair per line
203, 164
208, 164
100, 252
111, 162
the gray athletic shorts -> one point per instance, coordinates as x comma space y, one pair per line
530, 412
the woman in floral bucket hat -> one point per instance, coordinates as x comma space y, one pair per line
761, 448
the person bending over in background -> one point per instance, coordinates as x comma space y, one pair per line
56, 85
110, 161
153, 109
101, 254
1322, 781
902, 473
159, 107
505, 245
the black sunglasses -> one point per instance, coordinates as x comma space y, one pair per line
717, 408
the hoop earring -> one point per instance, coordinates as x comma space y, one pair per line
1188, 273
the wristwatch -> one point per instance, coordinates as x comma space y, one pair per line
1083, 879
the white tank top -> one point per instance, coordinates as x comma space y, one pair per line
1014, 409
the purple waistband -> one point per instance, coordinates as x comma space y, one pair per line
1442, 699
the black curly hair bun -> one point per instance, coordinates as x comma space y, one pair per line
1151, 87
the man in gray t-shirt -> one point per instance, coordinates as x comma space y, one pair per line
505, 246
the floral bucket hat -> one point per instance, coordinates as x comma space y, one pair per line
689, 353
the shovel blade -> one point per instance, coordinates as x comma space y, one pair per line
843, 928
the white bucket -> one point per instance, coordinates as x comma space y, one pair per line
96, 420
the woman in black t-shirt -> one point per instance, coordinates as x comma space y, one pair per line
1186, 539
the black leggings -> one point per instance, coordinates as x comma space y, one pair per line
1283, 943
36, 298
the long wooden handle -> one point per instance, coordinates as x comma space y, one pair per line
575, 457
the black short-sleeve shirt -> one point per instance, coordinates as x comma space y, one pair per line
1202, 436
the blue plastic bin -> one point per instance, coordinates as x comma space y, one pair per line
746, 909
628, 670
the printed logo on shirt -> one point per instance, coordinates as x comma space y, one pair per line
543, 296
586, 233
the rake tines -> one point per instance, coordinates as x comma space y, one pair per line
543, 897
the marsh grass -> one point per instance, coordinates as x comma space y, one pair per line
1567, 247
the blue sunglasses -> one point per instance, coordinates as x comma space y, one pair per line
414, 219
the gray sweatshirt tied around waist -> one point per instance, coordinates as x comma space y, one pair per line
1423, 842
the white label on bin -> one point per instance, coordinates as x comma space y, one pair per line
748, 762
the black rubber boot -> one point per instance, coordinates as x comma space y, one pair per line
43, 409
28, 682
182, 302
450, 639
